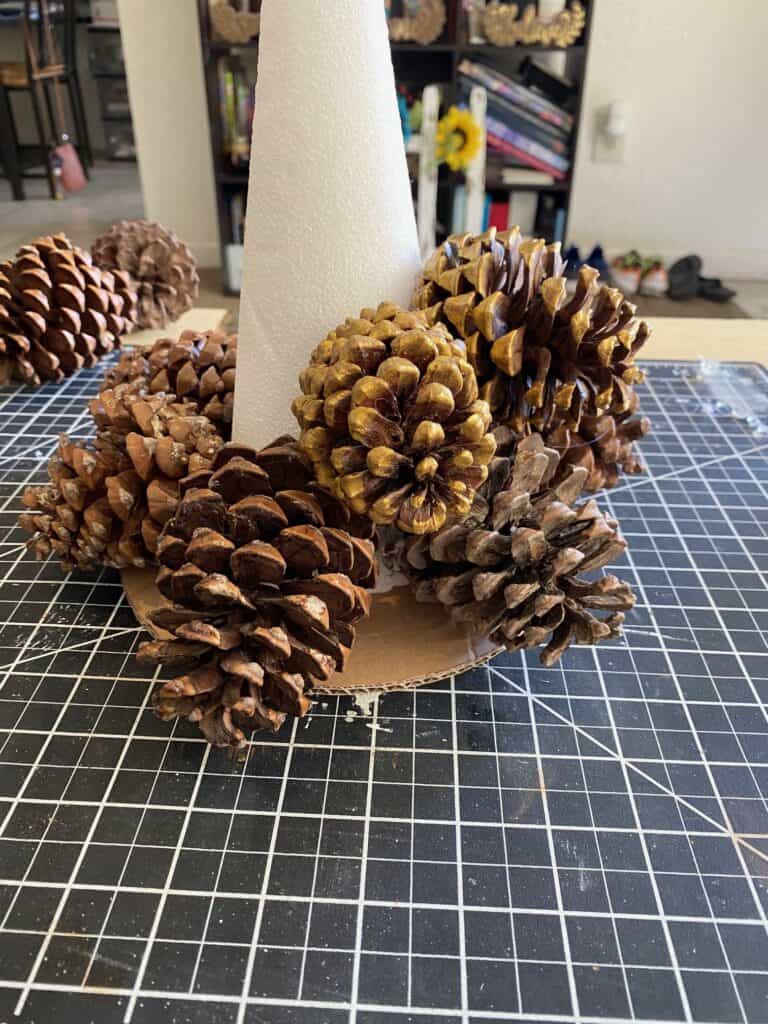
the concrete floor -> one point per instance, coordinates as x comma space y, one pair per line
114, 194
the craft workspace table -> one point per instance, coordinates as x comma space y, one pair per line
586, 843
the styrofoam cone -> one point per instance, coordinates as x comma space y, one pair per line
330, 226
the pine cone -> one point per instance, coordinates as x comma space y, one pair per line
543, 360
391, 419
58, 312
604, 446
513, 570
268, 582
198, 368
163, 269
107, 502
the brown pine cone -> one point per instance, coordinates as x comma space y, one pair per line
391, 419
108, 501
267, 584
198, 368
513, 570
543, 360
604, 446
162, 268
58, 312
147, 439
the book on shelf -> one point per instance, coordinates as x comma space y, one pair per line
495, 82
525, 176
519, 117
237, 216
499, 130
522, 211
236, 105
522, 156
517, 211
528, 124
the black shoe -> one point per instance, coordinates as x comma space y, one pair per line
712, 288
684, 278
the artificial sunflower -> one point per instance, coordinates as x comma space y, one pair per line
458, 139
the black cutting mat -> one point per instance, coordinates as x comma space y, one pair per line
587, 843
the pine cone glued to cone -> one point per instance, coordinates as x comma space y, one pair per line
107, 502
162, 268
196, 368
58, 312
267, 580
160, 417
391, 419
514, 570
544, 360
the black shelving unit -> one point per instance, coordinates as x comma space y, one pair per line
417, 66
105, 59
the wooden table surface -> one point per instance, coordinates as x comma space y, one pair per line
672, 338
199, 319
710, 338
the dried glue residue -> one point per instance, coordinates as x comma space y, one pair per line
363, 707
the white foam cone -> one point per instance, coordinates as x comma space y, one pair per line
330, 225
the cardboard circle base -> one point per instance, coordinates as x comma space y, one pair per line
403, 644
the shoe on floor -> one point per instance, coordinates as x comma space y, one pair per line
654, 280
596, 259
572, 258
684, 278
626, 272
712, 288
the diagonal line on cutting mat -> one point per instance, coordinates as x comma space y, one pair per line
72, 647
618, 756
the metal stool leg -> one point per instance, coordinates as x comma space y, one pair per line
9, 153
34, 94
81, 123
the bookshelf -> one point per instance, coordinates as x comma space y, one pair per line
416, 66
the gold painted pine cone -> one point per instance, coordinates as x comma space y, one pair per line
108, 500
544, 360
515, 570
267, 580
162, 268
58, 312
390, 417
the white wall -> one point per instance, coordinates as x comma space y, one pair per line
693, 76
164, 67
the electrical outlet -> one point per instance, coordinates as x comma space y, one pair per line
610, 134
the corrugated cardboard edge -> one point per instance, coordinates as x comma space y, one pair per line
402, 645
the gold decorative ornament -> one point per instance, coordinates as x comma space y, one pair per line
233, 26
425, 26
505, 26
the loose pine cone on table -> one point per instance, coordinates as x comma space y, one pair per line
163, 269
391, 419
563, 366
107, 501
58, 312
268, 581
514, 570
